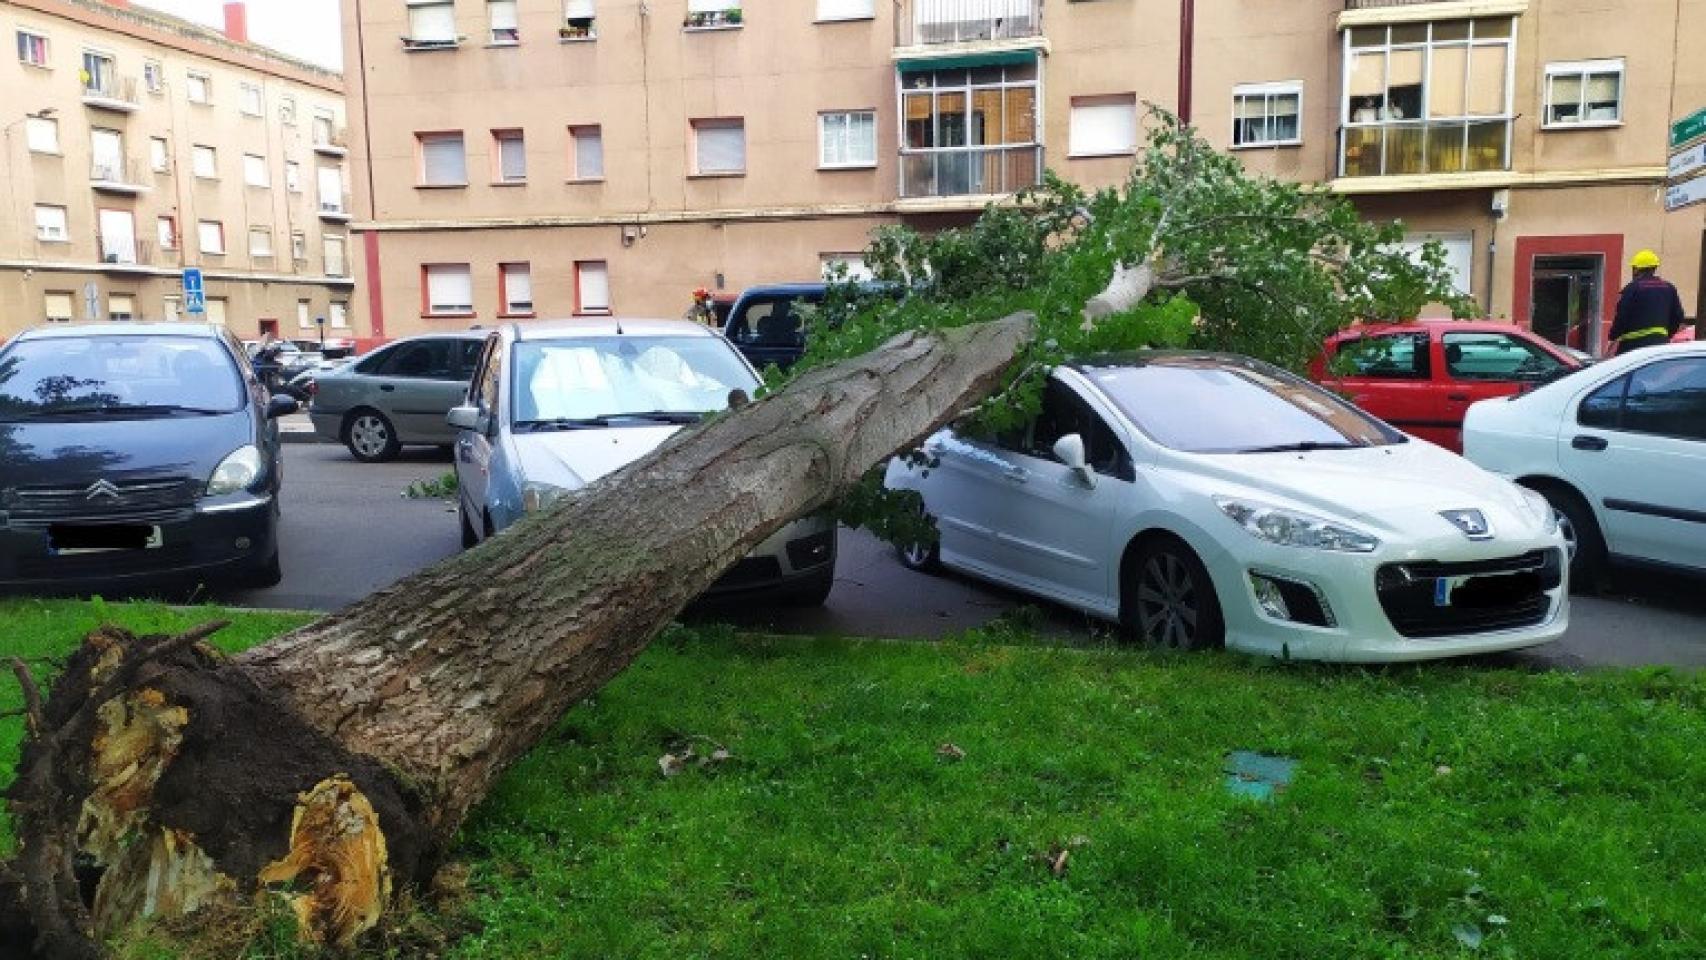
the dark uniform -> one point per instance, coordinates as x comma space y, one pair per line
1648, 313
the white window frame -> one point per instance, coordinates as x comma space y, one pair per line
304, 314
191, 80
453, 271
250, 169
159, 154
503, 141
1462, 240
412, 42
292, 176
507, 275
337, 315
699, 125
578, 135
127, 300
34, 124
1582, 70
298, 246
1126, 102
341, 261
461, 140
287, 110
857, 269
841, 11
248, 95
166, 232
51, 297
502, 31
46, 48
263, 249
824, 133
1267, 91
907, 87
57, 233
197, 151
581, 305
154, 76
201, 234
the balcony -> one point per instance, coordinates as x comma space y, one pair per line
1415, 147
930, 22
125, 254
1371, 4
118, 176
336, 210
117, 94
969, 171
331, 143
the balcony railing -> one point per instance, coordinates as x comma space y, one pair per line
118, 176
335, 208
111, 93
120, 252
969, 171
1423, 147
334, 143
966, 21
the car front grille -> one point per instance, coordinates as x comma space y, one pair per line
161, 500
1507, 593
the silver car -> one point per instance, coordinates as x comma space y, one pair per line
397, 395
554, 407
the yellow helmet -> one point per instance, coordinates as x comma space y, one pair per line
1645, 260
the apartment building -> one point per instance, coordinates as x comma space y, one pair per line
136, 144
523, 158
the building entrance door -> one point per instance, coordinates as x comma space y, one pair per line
269, 326
1564, 306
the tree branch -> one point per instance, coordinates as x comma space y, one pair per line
32, 697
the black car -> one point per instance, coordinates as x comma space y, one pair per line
766, 325
132, 453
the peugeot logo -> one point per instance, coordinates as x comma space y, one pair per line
101, 489
1473, 523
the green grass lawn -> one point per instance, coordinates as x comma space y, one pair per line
1433, 808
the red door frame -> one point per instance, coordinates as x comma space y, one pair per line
1606, 245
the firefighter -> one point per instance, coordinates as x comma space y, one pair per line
1649, 312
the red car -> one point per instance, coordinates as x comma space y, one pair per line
1421, 377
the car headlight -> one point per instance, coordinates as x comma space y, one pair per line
1542, 508
537, 496
236, 472
1292, 529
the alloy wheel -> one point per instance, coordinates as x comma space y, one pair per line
368, 434
1167, 602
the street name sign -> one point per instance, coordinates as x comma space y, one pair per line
1685, 194
1685, 162
1691, 127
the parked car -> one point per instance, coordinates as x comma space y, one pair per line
1199, 499
765, 324
396, 396
556, 406
134, 452
1619, 449
1421, 377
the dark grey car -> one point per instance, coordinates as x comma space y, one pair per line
397, 395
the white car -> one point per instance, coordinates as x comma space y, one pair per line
1200, 499
1620, 450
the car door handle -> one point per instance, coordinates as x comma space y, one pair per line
1585, 442
1457, 396
386, 387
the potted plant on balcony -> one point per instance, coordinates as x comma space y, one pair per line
577, 28
732, 17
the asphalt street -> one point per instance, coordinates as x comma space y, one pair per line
348, 530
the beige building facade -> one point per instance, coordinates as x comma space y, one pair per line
136, 145
552, 158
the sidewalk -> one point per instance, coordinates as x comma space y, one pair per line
296, 428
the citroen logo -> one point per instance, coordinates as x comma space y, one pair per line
1473, 523
101, 489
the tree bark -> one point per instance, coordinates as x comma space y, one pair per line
338, 760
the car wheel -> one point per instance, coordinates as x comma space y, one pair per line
370, 437
1582, 537
922, 557
469, 537
1167, 599
813, 590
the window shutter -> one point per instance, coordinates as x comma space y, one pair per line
711, 6
845, 9
577, 9
57, 306
1105, 126
120, 305
589, 153
518, 288
502, 14
432, 22
211, 235
331, 187
450, 289
593, 278
339, 314
42, 134
216, 311
443, 161
722, 147
512, 158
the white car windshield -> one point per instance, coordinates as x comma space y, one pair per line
1199, 404
117, 377
597, 380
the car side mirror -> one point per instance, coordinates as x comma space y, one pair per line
279, 405
466, 417
1070, 450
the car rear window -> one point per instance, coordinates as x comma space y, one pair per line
67, 376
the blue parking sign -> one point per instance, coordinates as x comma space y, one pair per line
195, 296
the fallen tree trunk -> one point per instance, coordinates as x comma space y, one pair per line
338, 760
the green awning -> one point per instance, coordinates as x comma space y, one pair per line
991, 59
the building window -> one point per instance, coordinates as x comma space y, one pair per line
1459, 254
56, 306
515, 289
711, 14
509, 155
448, 289
216, 311
579, 22
204, 162
719, 147
339, 314
443, 161
969, 131
506, 31
117, 236
1588, 93
1103, 126
1267, 115
849, 266
153, 76
432, 23
293, 176
51, 224
304, 314
32, 48
847, 139
299, 246
1427, 97
42, 134
99, 75
331, 184
172, 308
159, 154
166, 232
589, 152
846, 9
106, 155
260, 242
198, 87
335, 257
592, 286
211, 234
287, 111
121, 307
255, 170
249, 100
